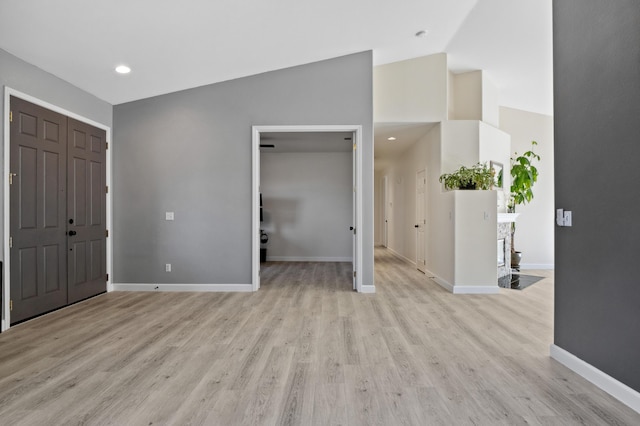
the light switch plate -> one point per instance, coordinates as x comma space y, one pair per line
567, 218
169, 216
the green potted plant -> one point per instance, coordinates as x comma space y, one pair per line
478, 176
524, 175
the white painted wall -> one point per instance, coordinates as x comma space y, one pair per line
467, 96
490, 99
495, 145
535, 226
473, 96
414, 90
476, 231
460, 145
307, 202
440, 206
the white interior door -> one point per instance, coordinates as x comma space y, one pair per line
385, 211
355, 214
421, 220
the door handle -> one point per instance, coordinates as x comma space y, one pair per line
72, 233
416, 226
351, 228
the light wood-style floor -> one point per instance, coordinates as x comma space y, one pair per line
304, 350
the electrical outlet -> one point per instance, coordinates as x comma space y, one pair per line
167, 267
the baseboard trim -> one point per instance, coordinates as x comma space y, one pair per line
401, 257
462, 289
613, 387
476, 289
537, 266
308, 259
368, 289
183, 287
440, 281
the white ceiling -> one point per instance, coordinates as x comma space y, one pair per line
174, 45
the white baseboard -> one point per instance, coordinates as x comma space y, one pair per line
182, 287
537, 266
401, 257
440, 281
463, 289
368, 289
308, 259
613, 387
476, 289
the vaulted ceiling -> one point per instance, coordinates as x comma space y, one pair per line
174, 45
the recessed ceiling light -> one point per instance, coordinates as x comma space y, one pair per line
123, 69
391, 138
422, 33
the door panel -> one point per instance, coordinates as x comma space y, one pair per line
86, 207
26, 181
37, 210
52, 267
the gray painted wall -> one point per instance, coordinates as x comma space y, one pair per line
308, 205
190, 152
597, 128
26, 78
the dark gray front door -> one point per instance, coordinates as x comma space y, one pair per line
57, 168
38, 157
86, 210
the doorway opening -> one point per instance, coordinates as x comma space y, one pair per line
263, 132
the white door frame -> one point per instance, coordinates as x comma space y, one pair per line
255, 191
6, 284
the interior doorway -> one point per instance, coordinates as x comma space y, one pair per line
421, 221
55, 208
262, 132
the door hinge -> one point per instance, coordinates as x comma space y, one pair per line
354, 274
10, 116
106, 145
354, 146
106, 233
106, 189
106, 277
10, 305
11, 175
10, 242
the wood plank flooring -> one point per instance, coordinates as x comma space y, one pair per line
304, 350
